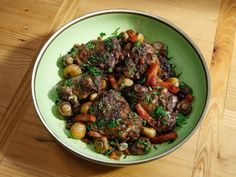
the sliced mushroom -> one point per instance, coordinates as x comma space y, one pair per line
184, 107
140, 147
101, 144
65, 109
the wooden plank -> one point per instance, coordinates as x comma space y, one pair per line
22, 97
206, 157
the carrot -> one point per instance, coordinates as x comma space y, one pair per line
115, 155
189, 97
113, 82
169, 86
132, 35
151, 75
164, 137
142, 113
141, 60
84, 118
94, 134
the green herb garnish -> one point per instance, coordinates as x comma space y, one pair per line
90, 45
180, 119
111, 123
160, 112
115, 33
102, 34
73, 52
68, 82
137, 44
110, 70
109, 44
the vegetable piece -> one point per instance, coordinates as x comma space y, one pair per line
93, 96
123, 146
142, 113
115, 155
151, 75
94, 134
174, 81
124, 36
84, 118
158, 45
164, 137
103, 84
65, 109
85, 107
140, 37
184, 107
72, 70
124, 82
149, 132
113, 83
78, 130
101, 144
169, 86
132, 35
69, 60
140, 147
189, 97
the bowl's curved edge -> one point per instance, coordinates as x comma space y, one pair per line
120, 163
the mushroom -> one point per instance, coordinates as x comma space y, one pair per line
184, 107
158, 45
101, 144
65, 109
72, 70
78, 130
140, 147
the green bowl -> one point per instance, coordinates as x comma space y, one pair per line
183, 51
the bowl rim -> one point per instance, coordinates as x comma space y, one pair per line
124, 11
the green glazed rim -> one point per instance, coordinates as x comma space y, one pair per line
121, 11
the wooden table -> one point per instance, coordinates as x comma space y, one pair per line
27, 149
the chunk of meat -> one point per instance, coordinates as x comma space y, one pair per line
100, 53
114, 117
80, 87
137, 61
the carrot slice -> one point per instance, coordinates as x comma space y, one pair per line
142, 113
169, 86
94, 134
151, 75
84, 118
164, 137
113, 82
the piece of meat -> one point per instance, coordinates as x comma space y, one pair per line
137, 60
80, 87
100, 53
114, 117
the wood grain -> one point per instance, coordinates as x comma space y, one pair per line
27, 149
21, 99
207, 154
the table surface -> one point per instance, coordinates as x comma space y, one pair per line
27, 149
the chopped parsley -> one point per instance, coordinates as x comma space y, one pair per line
92, 69
180, 119
109, 44
137, 44
90, 45
110, 70
102, 34
92, 58
160, 112
88, 127
142, 81
108, 152
68, 82
111, 123
73, 52
115, 33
